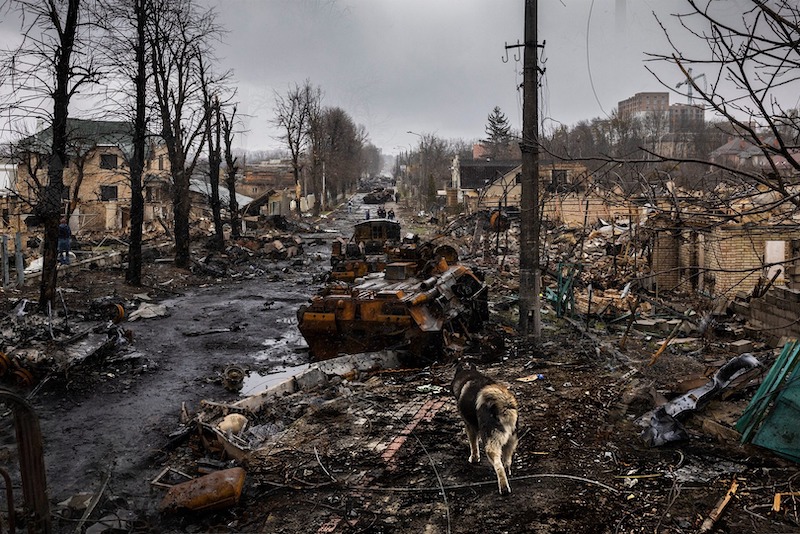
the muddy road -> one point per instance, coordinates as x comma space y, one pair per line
115, 420
112, 422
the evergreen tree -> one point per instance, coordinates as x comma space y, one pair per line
498, 132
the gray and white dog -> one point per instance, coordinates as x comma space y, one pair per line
489, 411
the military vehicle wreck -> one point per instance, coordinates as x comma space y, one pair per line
379, 196
374, 243
420, 300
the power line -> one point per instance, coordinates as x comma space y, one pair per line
589, 64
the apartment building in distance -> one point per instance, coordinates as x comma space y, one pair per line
678, 117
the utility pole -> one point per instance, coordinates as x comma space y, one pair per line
530, 217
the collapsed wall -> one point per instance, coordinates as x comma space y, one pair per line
774, 316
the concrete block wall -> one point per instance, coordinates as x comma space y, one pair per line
572, 209
738, 252
776, 314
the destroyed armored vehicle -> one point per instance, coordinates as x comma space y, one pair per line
379, 196
420, 306
374, 243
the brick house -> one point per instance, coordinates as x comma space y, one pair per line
701, 254
567, 195
266, 176
96, 175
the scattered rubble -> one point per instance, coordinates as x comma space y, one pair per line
378, 447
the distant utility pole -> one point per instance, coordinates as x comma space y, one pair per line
530, 217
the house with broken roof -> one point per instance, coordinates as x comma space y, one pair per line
743, 153
200, 191
97, 191
266, 176
752, 241
568, 193
272, 187
470, 177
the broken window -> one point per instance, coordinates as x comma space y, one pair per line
108, 192
108, 161
774, 256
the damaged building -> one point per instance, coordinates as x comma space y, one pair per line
96, 175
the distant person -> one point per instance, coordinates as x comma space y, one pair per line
64, 237
349, 206
390, 214
366, 215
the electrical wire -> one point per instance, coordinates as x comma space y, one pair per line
589, 63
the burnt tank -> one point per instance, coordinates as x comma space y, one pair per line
374, 244
421, 300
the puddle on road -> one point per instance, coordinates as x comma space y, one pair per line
282, 352
282, 348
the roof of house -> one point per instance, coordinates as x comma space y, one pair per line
83, 136
198, 185
476, 174
742, 147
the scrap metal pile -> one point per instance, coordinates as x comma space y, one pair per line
34, 347
388, 292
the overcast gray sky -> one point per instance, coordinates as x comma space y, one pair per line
434, 66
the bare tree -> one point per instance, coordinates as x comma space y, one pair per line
292, 118
51, 64
231, 168
317, 142
210, 87
179, 35
342, 142
128, 52
372, 159
751, 60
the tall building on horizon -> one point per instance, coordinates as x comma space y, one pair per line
680, 117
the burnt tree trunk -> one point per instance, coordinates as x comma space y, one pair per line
181, 206
133, 274
49, 206
214, 160
231, 169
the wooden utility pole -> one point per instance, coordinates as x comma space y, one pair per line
530, 225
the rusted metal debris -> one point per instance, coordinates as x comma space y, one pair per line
42, 348
420, 300
215, 491
715, 514
379, 196
31, 463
